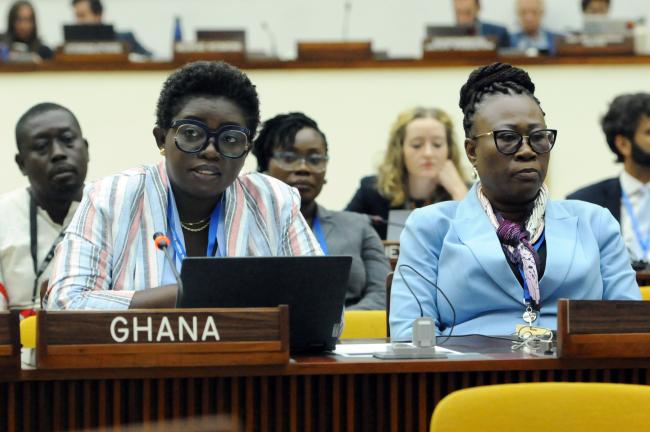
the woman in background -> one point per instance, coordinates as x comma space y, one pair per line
420, 168
292, 148
22, 33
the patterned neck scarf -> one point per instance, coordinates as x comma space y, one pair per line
518, 242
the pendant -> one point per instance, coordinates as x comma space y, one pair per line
530, 316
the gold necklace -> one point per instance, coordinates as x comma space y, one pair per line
196, 226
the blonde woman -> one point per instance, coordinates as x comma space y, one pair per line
421, 167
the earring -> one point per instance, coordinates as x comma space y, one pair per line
474, 173
162, 151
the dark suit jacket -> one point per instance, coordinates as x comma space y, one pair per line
606, 193
133, 44
488, 29
369, 201
350, 234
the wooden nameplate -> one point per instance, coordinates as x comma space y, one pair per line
162, 338
576, 46
92, 52
481, 48
391, 250
9, 342
317, 51
233, 51
603, 329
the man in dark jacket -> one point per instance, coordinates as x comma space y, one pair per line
627, 129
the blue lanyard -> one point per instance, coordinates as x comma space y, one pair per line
645, 244
176, 235
318, 232
527, 298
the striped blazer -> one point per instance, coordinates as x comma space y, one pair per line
108, 253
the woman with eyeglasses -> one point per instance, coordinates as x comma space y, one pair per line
291, 148
506, 253
421, 167
206, 117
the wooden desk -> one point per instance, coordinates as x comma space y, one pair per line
103, 63
312, 393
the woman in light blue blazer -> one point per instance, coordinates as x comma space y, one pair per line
506, 253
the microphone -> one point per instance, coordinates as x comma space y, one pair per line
347, 8
162, 243
423, 345
267, 29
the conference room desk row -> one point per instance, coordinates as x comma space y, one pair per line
450, 59
311, 393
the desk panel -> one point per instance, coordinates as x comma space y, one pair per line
318, 393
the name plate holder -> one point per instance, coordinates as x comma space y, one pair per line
460, 48
603, 329
335, 51
391, 250
9, 342
162, 338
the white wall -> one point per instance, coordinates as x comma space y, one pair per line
393, 25
354, 107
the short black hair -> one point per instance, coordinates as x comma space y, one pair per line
280, 132
497, 78
33, 112
585, 3
208, 78
96, 6
623, 117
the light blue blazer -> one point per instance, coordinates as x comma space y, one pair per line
454, 245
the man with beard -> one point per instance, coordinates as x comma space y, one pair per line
627, 129
53, 155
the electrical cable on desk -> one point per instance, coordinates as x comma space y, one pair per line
453, 311
522, 341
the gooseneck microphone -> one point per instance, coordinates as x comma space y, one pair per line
347, 9
162, 243
269, 34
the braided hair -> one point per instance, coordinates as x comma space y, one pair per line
280, 132
497, 78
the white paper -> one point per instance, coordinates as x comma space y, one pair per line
366, 350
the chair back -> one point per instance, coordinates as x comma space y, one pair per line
364, 324
645, 292
389, 284
561, 406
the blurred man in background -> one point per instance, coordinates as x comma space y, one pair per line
530, 14
467, 15
91, 12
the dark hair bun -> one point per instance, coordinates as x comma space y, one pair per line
497, 73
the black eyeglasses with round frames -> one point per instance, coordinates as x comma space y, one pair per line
508, 142
193, 136
290, 161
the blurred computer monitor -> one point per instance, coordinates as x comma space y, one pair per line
88, 32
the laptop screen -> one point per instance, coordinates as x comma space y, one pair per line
89, 33
313, 287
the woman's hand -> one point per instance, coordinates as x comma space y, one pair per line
450, 179
163, 297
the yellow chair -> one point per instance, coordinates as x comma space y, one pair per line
364, 324
567, 407
28, 332
645, 292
